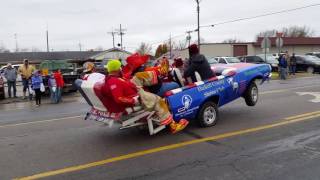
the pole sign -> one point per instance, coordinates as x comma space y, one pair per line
279, 42
265, 43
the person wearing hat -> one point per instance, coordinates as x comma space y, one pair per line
89, 68
197, 63
126, 93
25, 71
11, 75
36, 81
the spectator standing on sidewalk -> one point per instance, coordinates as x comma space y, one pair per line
60, 83
53, 88
293, 64
11, 75
25, 71
283, 67
287, 56
36, 81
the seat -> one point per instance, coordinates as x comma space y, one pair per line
92, 91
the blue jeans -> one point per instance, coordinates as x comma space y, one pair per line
283, 73
293, 70
25, 83
53, 95
12, 84
58, 95
167, 87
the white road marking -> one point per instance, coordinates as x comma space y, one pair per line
41, 121
315, 94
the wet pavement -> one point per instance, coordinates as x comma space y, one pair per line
40, 140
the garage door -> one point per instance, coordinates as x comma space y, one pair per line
240, 50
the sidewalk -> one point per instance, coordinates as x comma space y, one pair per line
275, 75
66, 97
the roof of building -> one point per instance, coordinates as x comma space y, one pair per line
35, 57
292, 41
109, 54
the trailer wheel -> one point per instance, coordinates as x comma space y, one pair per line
251, 95
208, 114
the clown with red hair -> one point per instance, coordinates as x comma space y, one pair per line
126, 89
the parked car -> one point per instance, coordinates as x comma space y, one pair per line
271, 60
314, 54
212, 61
260, 59
227, 60
1, 88
308, 63
3, 68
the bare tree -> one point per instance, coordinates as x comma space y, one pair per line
292, 31
99, 48
161, 49
232, 40
180, 45
144, 48
24, 50
3, 48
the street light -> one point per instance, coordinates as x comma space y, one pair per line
198, 12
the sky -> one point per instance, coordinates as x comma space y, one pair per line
71, 22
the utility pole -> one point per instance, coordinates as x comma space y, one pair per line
80, 46
121, 33
112, 34
47, 35
189, 37
198, 29
170, 46
16, 40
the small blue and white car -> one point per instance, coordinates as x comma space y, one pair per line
197, 101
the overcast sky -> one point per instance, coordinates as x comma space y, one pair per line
150, 21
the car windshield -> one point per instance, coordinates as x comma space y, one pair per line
311, 58
232, 60
212, 61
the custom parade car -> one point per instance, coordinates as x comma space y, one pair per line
197, 101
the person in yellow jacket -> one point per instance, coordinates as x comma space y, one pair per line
25, 70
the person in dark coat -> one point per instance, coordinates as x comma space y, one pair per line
293, 64
197, 63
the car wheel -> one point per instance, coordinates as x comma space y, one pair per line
208, 114
251, 95
310, 70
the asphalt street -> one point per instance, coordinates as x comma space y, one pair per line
279, 138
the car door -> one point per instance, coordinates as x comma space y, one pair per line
300, 64
258, 60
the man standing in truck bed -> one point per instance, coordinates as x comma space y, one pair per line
197, 63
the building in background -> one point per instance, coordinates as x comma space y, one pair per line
113, 53
299, 45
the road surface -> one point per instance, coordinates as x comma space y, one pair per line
279, 138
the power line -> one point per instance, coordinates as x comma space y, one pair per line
240, 19
262, 15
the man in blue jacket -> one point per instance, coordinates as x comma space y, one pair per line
283, 64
